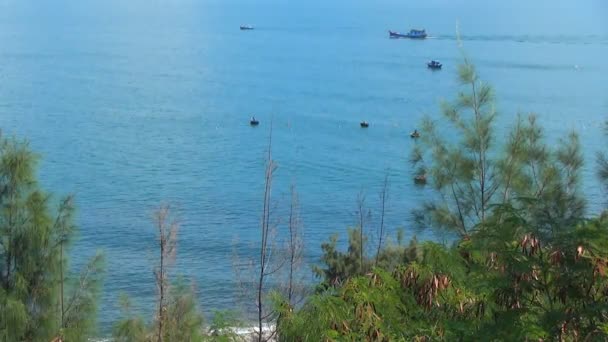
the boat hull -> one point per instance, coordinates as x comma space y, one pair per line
395, 35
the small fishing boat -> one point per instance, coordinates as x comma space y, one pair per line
253, 121
435, 65
415, 134
246, 27
413, 34
364, 124
420, 179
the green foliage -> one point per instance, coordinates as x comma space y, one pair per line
182, 321
130, 329
526, 264
549, 288
603, 168
80, 309
382, 305
177, 317
338, 266
223, 325
602, 161
474, 174
341, 265
34, 241
498, 284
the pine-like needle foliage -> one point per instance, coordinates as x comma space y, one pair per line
526, 264
39, 298
473, 173
602, 160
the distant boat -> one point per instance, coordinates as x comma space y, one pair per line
364, 124
254, 121
413, 34
420, 179
246, 27
415, 134
434, 65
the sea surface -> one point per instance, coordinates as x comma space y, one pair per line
136, 103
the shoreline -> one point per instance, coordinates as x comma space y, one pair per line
245, 334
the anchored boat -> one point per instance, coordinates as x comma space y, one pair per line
434, 65
420, 179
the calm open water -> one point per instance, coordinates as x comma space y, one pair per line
134, 103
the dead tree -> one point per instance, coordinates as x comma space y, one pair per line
362, 216
265, 244
383, 200
167, 241
295, 247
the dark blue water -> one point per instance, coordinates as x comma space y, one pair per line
135, 103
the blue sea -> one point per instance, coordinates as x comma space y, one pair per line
136, 103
